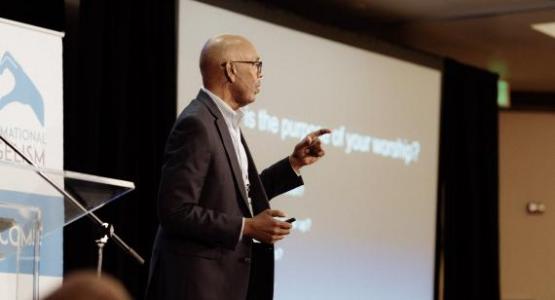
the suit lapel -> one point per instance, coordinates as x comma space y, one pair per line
228, 146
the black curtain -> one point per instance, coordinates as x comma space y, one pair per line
48, 14
119, 105
469, 183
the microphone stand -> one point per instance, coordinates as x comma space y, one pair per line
105, 227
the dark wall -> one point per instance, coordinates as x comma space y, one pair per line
47, 13
532, 101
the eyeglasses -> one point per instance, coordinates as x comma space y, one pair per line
256, 63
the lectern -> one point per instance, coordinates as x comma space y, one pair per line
36, 203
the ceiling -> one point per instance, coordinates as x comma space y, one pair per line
491, 34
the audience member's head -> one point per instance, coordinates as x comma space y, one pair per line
85, 285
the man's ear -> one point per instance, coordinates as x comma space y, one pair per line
230, 72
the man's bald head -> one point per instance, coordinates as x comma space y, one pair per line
221, 49
231, 69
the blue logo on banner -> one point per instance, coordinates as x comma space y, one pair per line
18, 87
51, 248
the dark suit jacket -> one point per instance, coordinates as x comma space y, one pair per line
197, 254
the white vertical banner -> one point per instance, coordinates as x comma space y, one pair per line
31, 117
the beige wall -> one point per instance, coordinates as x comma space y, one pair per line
527, 173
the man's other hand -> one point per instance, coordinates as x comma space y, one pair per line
263, 227
308, 151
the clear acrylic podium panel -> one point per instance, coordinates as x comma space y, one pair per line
91, 192
20, 227
25, 188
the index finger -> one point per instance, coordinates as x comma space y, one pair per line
319, 133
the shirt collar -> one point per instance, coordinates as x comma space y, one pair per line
233, 116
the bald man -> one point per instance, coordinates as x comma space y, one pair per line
216, 234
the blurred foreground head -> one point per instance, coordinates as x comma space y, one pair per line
86, 285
